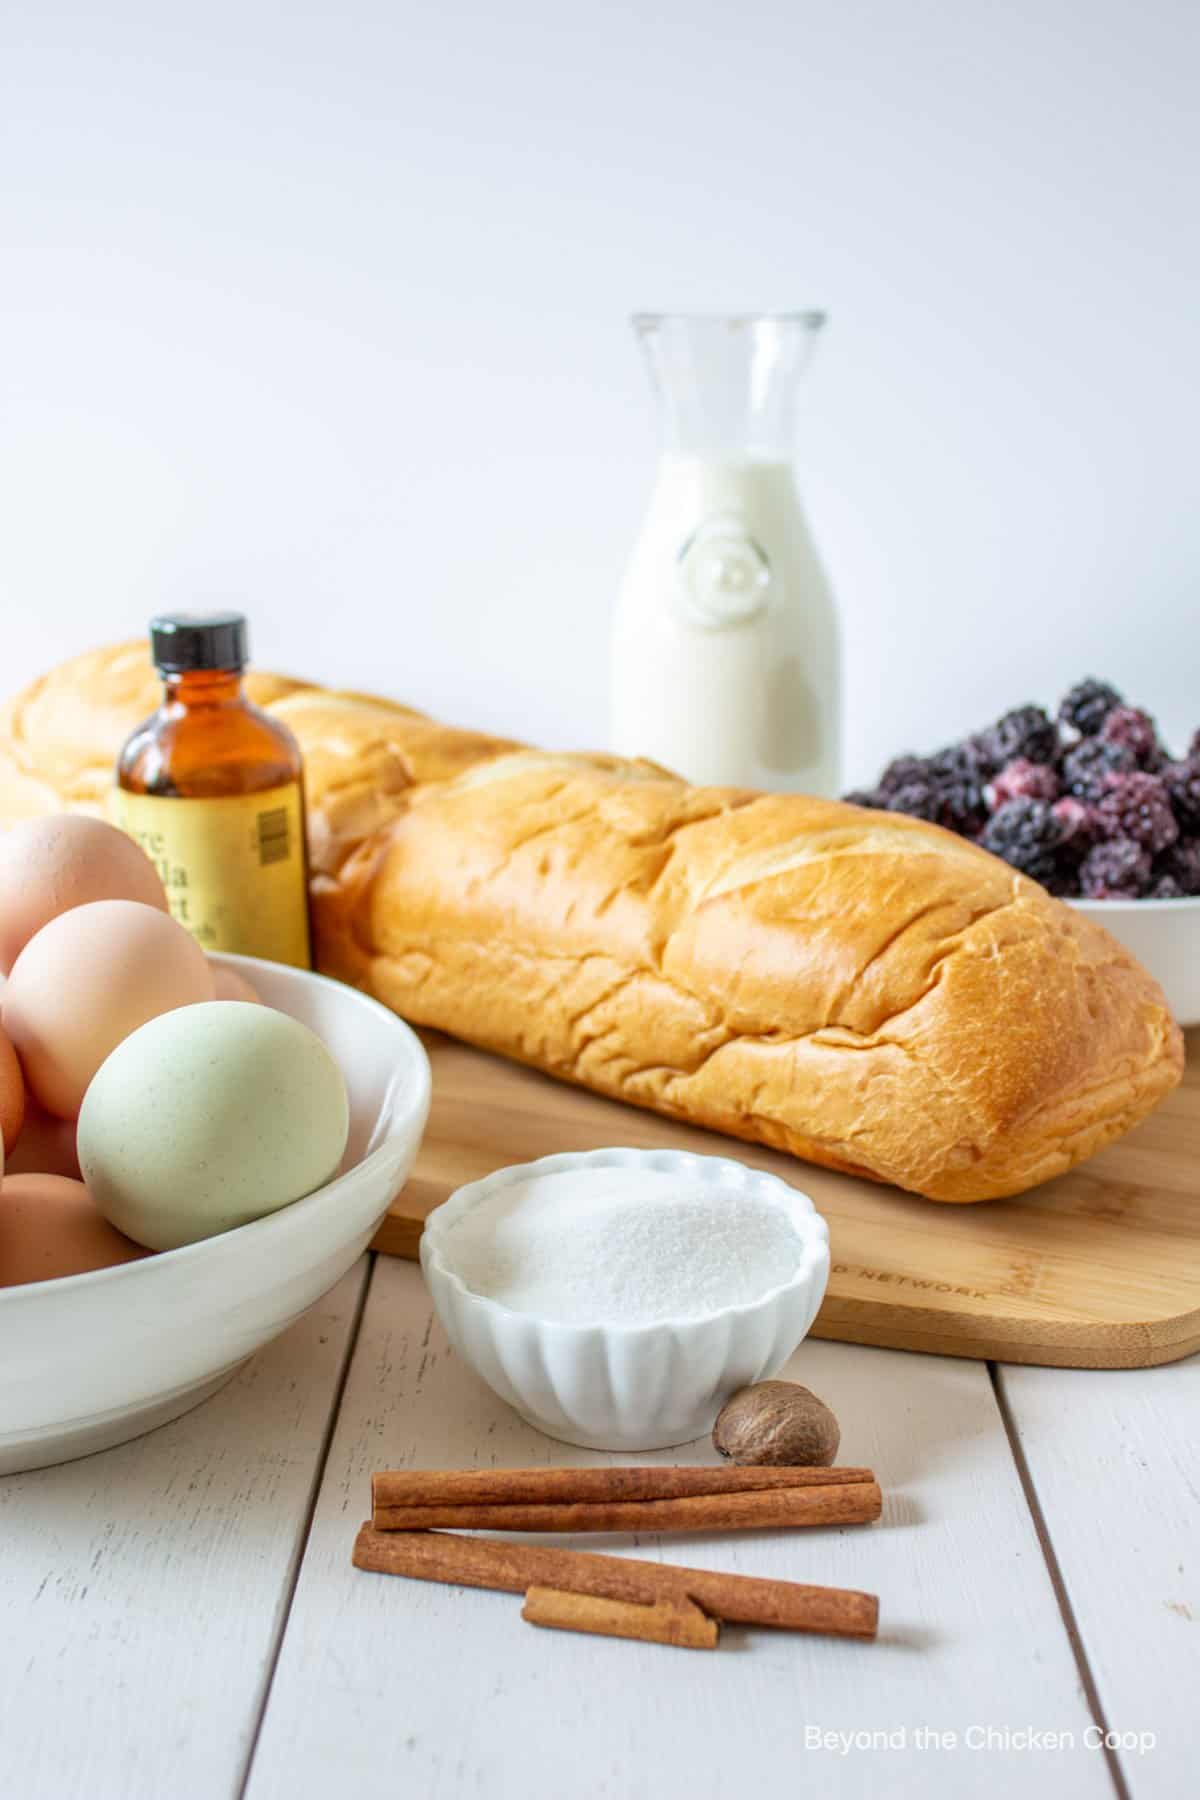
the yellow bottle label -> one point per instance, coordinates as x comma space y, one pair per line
233, 867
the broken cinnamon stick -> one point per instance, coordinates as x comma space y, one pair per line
851, 1503
514, 1567
667, 1621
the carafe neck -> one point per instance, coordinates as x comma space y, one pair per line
727, 386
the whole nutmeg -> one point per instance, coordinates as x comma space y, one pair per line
777, 1422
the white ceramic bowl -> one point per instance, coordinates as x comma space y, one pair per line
91, 1360
1164, 935
627, 1387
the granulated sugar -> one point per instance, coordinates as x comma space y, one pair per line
621, 1246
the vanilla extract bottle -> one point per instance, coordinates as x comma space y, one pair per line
211, 787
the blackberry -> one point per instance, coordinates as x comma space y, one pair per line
969, 760
1137, 806
1026, 732
1136, 730
1182, 782
1087, 706
900, 771
918, 798
963, 807
1065, 880
1078, 822
982, 753
1117, 870
1028, 836
1085, 767
958, 805
1022, 780
1166, 888
864, 797
1181, 864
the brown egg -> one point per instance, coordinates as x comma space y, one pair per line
229, 985
49, 865
12, 1096
46, 1145
50, 1226
85, 982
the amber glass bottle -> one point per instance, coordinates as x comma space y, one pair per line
212, 789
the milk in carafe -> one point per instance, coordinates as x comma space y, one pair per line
725, 663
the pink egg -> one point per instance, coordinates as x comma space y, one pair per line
46, 1145
229, 985
50, 1227
48, 866
12, 1096
85, 982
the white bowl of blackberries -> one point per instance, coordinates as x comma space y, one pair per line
1090, 803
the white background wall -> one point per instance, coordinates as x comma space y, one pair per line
320, 310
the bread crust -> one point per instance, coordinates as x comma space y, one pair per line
861, 989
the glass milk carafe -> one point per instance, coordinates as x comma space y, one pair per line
725, 662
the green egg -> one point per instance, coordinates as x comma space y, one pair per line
210, 1116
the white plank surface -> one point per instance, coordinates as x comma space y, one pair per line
386, 1686
142, 1590
1114, 1458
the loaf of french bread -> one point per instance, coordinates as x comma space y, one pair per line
858, 988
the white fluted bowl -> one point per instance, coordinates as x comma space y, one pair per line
627, 1387
88, 1361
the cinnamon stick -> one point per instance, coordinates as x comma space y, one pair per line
738, 1599
848, 1503
667, 1621
511, 1487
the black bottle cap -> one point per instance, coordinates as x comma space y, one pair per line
183, 641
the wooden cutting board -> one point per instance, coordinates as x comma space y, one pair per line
1099, 1269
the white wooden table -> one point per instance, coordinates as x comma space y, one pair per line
180, 1617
